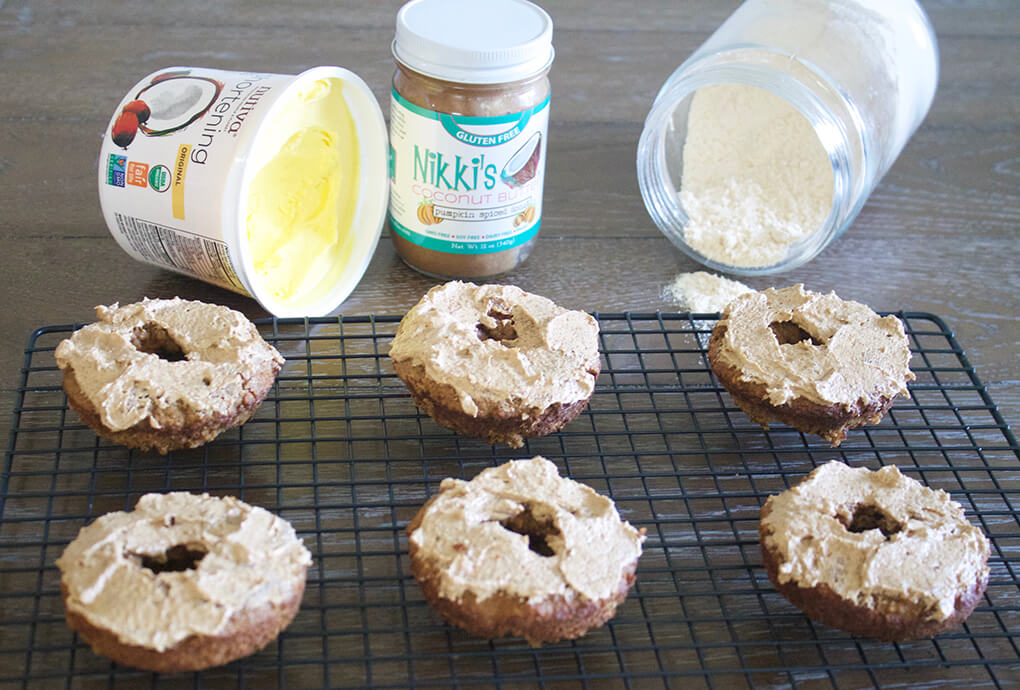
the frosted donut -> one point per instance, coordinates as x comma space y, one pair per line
520, 550
874, 553
183, 582
496, 362
815, 362
166, 373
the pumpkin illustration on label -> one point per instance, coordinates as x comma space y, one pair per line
426, 213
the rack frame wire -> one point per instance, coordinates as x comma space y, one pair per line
339, 449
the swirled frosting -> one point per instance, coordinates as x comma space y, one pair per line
848, 354
497, 343
875, 536
251, 558
463, 532
218, 348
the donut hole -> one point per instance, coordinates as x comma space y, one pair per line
502, 328
536, 530
789, 333
176, 559
153, 339
868, 516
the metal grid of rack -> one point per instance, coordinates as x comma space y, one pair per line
340, 450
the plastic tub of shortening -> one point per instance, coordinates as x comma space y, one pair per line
271, 185
762, 147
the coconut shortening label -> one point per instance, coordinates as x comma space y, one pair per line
463, 184
167, 161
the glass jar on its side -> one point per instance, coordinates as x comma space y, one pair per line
468, 135
862, 73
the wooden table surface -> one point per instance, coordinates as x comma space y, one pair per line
939, 234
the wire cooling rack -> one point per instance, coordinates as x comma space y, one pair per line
340, 450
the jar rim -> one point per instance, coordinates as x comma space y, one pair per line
495, 42
660, 194
370, 207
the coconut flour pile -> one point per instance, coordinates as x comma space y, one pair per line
755, 177
702, 292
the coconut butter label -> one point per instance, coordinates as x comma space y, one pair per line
464, 184
169, 165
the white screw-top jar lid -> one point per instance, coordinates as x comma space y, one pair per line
473, 42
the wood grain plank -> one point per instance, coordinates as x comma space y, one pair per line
62, 73
987, 17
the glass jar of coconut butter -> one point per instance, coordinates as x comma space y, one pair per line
469, 120
762, 147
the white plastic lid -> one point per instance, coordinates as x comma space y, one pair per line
474, 42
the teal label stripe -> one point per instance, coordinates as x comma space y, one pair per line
459, 247
470, 119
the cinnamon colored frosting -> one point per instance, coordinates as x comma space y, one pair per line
495, 343
127, 385
461, 532
915, 542
852, 355
252, 559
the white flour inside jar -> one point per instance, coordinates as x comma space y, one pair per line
755, 179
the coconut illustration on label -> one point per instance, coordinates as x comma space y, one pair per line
176, 102
170, 102
124, 129
523, 165
140, 109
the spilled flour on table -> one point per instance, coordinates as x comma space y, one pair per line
702, 292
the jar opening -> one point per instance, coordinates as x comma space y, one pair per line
305, 233
744, 170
